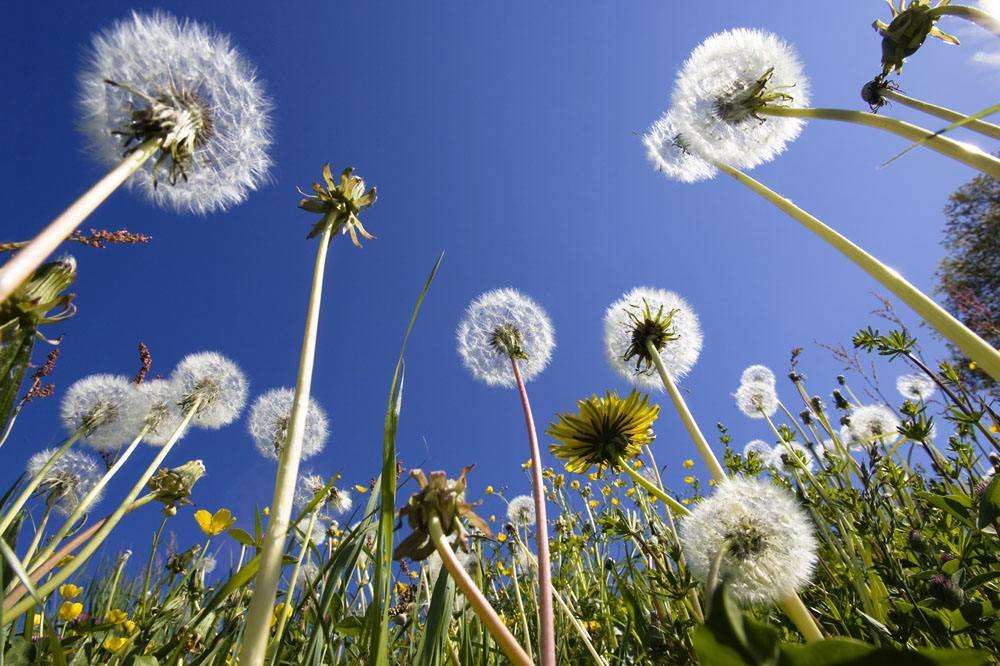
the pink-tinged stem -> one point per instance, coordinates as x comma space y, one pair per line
547, 632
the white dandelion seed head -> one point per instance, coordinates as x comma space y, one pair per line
496, 312
781, 457
526, 564
759, 447
707, 92
269, 419
667, 151
306, 488
757, 374
206, 565
521, 511
873, 423
98, 405
678, 356
219, 383
770, 546
915, 387
158, 56
850, 440
156, 404
757, 399
69, 479
340, 500
319, 531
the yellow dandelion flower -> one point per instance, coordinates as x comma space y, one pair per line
593, 476
972, 365
502, 537
593, 625
593, 504
630, 492
615, 501
70, 610
414, 575
214, 524
489, 490
560, 480
637, 463
994, 428
69, 591
401, 588
574, 484
114, 643
688, 464
686, 501
116, 616
493, 518
526, 464
689, 479
279, 610
605, 490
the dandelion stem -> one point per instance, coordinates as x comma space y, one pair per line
976, 125
508, 644
152, 557
254, 647
972, 157
704, 450
961, 336
39, 531
801, 617
283, 616
33, 484
674, 505
983, 19
24, 263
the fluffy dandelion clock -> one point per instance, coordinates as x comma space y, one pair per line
659, 317
156, 405
667, 151
218, 384
757, 399
872, 423
915, 387
206, 565
268, 425
767, 540
152, 76
340, 500
96, 405
757, 374
502, 324
72, 476
722, 86
759, 447
521, 511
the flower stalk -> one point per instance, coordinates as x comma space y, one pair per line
976, 124
33, 484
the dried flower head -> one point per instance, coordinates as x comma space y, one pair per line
96, 405
442, 497
154, 77
69, 479
723, 85
340, 204
757, 399
521, 511
605, 431
217, 382
915, 387
173, 487
500, 325
767, 539
268, 424
667, 151
659, 317
906, 33
156, 405
873, 423
41, 299
757, 374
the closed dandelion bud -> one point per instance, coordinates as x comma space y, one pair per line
609, 564
216, 383
945, 590
795, 377
173, 487
41, 299
96, 406
816, 403
842, 380
839, 401
806, 417
945, 557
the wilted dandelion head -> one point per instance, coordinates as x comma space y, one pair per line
521, 511
501, 324
915, 387
605, 431
659, 317
790, 456
722, 86
269, 419
69, 479
759, 447
770, 550
97, 406
872, 423
757, 374
156, 405
667, 151
152, 76
757, 399
219, 384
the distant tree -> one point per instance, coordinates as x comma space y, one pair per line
969, 274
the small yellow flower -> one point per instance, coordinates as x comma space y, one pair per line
637, 463
593, 625
615, 501
994, 428
689, 479
489, 490
116, 616
712, 482
414, 575
630, 492
266, 511
401, 588
37, 620
502, 568
526, 464
69, 591
688, 464
213, 525
279, 610
114, 643
70, 610
360, 488
493, 518
605, 490
972, 365
574, 484
129, 627
560, 480
502, 537
686, 501
593, 476
592, 504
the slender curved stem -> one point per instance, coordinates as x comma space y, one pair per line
802, 618
652, 489
149, 563
973, 346
704, 450
976, 125
546, 619
520, 602
508, 644
963, 153
253, 650
39, 532
24, 263
36, 481
975, 15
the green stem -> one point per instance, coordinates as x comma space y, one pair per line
39, 531
520, 603
33, 484
704, 450
649, 486
283, 619
508, 644
254, 647
975, 15
963, 153
971, 344
976, 125
801, 618
149, 562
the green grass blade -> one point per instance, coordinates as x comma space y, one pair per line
432, 641
988, 111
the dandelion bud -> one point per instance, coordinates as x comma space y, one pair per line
842, 380
96, 406
173, 487
817, 404
839, 401
806, 417
218, 384
916, 539
41, 299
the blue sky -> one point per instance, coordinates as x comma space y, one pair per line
504, 134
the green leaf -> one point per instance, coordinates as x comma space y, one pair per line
989, 503
847, 652
15, 356
242, 536
435, 633
712, 651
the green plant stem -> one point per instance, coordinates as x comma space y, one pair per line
252, 652
975, 15
114, 586
39, 532
520, 605
972, 157
961, 336
24, 263
109, 524
149, 563
704, 450
650, 487
976, 125
508, 644
36, 480
801, 618
283, 619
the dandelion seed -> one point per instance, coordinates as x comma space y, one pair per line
770, 550
156, 405
873, 423
269, 419
96, 405
660, 316
521, 511
218, 382
667, 151
154, 76
68, 481
915, 387
501, 324
721, 87
757, 400
757, 374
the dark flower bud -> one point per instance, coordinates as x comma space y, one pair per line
945, 590
842, 380
806, 417
839, 401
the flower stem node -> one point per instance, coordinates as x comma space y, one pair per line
340, 204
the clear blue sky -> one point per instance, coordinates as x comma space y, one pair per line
506, 135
